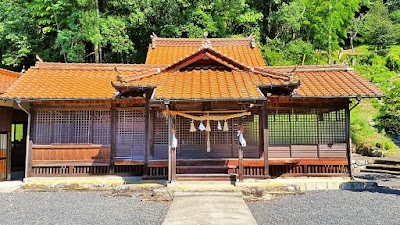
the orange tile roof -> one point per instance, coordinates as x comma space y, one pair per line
329, 80
171, 50
63, 84
199, 85
7, 78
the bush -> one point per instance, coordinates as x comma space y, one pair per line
368, 59
393, 62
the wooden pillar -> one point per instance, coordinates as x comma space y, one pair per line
266, 138
29, 144
348, 136
240, 172
113, 130
171, 153
169, 149
8, 155
240, 156
260, 132
147, 131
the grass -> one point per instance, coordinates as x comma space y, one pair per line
364, 133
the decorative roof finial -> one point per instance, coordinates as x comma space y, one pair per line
153, 36
252, 40
206, 43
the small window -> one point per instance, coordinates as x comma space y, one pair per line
17, 132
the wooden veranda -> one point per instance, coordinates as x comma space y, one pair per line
130, 137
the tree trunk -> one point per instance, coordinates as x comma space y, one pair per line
330, 36
330, 50
96, 53
351, 42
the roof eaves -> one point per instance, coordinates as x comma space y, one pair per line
297, 83
337, 96
210, 99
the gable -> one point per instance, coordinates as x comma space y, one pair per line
206, 58
170, 50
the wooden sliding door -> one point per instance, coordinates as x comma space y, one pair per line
4, 156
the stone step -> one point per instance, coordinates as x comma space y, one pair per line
206, 177
387, 162
380, 171
384, 167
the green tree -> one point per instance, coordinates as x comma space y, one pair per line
378, 29
328, 22
389, 117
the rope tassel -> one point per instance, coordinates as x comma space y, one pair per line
208, 127
192, 127
226, 128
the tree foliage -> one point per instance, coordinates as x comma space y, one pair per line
378, 29
288, 31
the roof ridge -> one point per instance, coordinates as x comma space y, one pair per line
306, 68
178, 42
137, 76
95, 66
9, 72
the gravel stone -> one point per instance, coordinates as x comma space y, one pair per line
78, 208
378, 206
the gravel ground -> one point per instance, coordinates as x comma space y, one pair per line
78, 208
379, 206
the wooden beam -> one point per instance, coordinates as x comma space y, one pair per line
113, 130
266, 139
348, 137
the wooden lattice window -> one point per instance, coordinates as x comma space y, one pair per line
101, 122
82, 127
43, 127
160, 129
279, 128
62, 126
185, 137
313, 126
332, 127
130, 133
67, 127
251, 129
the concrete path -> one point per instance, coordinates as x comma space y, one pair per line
10, 186
209, 208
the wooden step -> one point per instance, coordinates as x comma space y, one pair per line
204, 169
206, 177
389, 167
380, 171
201, 162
